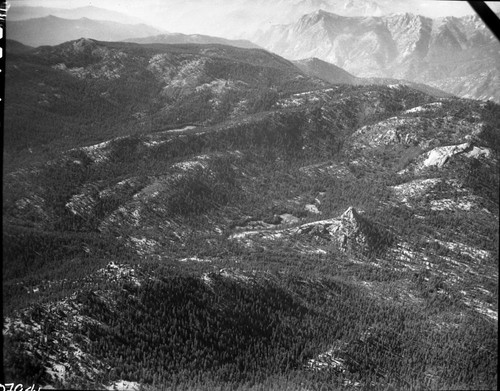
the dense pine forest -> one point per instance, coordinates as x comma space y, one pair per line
187, 217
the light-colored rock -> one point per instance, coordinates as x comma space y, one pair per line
124, 385
194, 259
348, 231
312, 208
394, 130
327, 361
416, 188
439, 156
114, 272
287, 218
425, 108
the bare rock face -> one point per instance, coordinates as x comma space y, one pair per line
439, 156
350, 231
394, 130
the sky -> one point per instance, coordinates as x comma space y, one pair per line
239, 18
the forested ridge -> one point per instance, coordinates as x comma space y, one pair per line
207, 217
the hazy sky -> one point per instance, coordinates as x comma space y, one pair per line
239, 18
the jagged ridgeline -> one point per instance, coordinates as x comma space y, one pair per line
210, 217
454, 54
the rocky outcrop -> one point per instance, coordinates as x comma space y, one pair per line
395, 130
425, 126
350, 231
439, 156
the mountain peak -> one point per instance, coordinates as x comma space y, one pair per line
321, 12
84, 42
404, 46
356, 232
352, 222
318, 16
350, 214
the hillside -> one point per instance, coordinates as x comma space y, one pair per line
177, 38
325, 71
457, 55
209, 217
330, 73
94, 90
53, 30
18, 12
15, 47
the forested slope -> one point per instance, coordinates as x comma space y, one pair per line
231, 223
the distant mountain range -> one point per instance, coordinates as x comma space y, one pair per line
17, 13
457, 55
176, 38
52, 30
